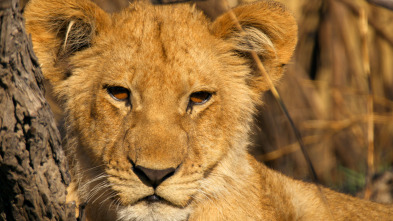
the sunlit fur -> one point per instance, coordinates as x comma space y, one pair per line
163, 54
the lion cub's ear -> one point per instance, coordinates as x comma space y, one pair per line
61, 28
268, 29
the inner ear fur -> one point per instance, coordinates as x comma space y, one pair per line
268, 28
61, 28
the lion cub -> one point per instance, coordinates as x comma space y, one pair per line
159, 102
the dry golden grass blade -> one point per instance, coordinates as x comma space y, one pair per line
370, 101
309, 140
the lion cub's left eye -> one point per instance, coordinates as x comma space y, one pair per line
119, 93
200, 97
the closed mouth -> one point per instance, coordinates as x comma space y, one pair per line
156, 199
153, 199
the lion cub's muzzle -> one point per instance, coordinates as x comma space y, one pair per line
157, 147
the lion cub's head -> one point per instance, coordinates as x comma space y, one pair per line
158, 99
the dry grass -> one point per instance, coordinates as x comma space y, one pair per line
339, 91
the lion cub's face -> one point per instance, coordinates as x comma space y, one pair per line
156, 109
158, 100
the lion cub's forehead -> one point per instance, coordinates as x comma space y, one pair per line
161, 45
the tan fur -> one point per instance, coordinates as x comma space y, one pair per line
162, 54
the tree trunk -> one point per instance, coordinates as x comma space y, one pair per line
33, 170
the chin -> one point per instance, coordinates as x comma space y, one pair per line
148, 211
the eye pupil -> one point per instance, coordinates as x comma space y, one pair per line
200, 97
119, 93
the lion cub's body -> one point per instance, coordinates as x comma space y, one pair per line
172, 144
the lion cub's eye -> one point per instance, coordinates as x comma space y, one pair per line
119, 93
200, 97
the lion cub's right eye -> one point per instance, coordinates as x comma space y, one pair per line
119, 93
200, 97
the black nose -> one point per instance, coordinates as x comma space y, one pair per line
153, 177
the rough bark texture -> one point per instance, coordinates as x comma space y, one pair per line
33, 172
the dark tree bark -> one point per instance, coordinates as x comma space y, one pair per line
33, 170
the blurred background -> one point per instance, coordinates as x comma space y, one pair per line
338, 90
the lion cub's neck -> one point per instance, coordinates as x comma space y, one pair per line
232, 184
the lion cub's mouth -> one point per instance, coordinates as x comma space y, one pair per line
154, 199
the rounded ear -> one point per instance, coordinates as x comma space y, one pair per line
268, 28
61, 28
